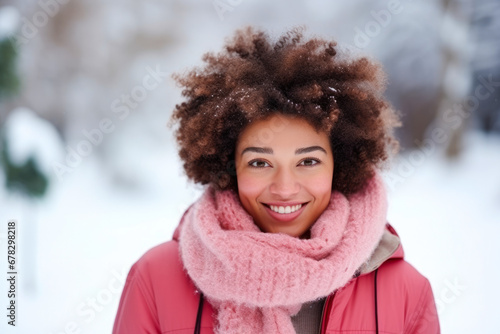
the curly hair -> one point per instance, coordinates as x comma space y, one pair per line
255, 77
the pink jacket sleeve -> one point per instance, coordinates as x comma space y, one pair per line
426, 319
137, 311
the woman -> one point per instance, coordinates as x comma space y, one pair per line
290, 235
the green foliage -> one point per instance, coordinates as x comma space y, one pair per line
25, 178
9, 81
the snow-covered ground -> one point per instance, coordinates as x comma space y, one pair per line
88, 233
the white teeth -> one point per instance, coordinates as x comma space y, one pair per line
285, 209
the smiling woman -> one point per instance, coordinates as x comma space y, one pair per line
290, 235
284, 180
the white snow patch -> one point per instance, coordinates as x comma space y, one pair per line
31, 136
9, 21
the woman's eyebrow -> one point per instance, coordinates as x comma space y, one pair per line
309, 149
268, 150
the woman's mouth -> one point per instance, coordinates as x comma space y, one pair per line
285, 209
285, 213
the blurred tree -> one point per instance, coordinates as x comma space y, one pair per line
25, 178
456, 72
486, 64
425, 49
9, 82
22, 177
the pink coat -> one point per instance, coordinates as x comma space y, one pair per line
159, 297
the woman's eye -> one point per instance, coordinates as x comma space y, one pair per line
259, 164
309, 162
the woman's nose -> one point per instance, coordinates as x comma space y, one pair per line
284, 184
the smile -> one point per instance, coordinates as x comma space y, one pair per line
285, 213
285, 209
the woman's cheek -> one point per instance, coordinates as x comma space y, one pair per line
249, 186
320, 186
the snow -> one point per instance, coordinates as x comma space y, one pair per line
28, 136
9, 21
90, 232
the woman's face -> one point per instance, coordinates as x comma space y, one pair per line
284, 170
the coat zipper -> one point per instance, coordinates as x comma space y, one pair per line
326, 307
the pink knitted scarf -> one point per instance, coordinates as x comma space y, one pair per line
256, 281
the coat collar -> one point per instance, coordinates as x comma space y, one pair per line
388, 248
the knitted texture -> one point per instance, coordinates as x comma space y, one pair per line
256, 281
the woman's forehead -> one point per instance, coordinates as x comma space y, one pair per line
280, 130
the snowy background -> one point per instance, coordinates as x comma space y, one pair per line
82, 103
